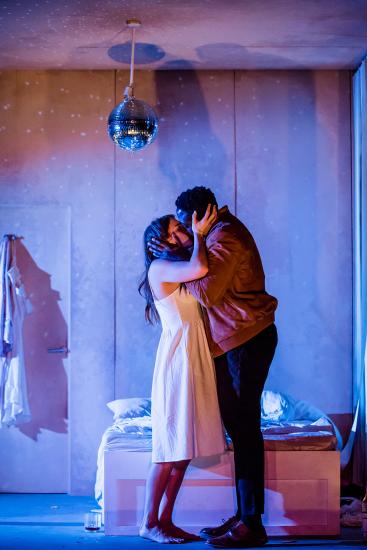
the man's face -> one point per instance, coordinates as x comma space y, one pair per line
178, 234
185, 218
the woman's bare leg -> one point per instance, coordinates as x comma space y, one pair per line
168, 501
158, 478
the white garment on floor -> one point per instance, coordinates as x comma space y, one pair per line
186, 421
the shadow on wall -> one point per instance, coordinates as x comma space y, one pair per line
44, 328
189, 151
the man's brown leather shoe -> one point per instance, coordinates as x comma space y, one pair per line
210, 532
240, 536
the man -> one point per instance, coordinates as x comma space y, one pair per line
239, 317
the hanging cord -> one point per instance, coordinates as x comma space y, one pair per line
132, 59
133, 24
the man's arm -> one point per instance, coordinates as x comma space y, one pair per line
223, 254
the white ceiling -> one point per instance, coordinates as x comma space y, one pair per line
197, 34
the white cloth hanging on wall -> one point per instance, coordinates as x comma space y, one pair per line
6, 322
14, 407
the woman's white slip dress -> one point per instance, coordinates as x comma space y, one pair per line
186, 421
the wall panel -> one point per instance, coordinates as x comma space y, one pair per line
294, 193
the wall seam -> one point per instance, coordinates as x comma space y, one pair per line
235, 143
352, 209
351, 138
114, 253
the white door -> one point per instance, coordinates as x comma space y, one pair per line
34, 457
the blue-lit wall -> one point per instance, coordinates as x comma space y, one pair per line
273, 145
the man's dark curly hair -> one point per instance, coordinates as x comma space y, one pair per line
197, 199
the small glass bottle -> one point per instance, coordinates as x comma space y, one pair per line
364, 515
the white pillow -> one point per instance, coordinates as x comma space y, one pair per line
274, 406
281, 407
131, 407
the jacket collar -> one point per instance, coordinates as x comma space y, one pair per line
222, 212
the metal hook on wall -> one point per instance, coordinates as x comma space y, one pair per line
12, 237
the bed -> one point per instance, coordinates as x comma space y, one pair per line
302, 471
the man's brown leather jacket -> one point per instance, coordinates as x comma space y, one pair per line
236, 305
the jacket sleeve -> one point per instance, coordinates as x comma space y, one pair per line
223, 254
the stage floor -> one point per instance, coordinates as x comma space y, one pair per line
55, 521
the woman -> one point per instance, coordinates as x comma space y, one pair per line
186, 421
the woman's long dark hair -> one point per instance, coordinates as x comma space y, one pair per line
158, 228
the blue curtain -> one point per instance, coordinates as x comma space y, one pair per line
360, 273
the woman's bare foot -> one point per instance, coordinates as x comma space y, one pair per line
177, 532
159, 534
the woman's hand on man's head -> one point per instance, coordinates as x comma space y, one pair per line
202, 227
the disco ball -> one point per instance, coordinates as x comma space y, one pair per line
132, 124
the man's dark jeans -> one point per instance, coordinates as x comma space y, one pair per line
241, 375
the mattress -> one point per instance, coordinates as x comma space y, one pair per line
287, 425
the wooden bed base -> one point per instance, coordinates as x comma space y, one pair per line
302, 492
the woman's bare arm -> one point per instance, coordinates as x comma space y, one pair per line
165, 271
